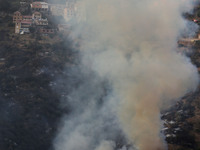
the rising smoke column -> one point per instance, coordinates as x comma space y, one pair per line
133, 45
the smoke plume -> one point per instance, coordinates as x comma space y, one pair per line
130, 70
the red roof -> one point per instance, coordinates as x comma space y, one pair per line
38, 4
26, 22
27, 17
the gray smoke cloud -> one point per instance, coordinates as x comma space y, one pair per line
130, 70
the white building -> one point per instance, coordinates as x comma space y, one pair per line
57, 9
39, 6
75, 10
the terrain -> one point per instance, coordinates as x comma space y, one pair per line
29, 107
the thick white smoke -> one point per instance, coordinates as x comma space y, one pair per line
132, 45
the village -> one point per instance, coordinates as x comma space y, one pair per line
46, 18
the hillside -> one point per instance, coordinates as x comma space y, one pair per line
29, 107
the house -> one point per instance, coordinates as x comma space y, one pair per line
63, 27
36, 16
75, 10
22, 26
40, 6
57, 9
17, 17
25, 25
69, 11
17, 27
41, 22
22, 23
27, 18
80, 11
47, 31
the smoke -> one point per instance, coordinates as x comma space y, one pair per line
130, 70
91, 123
106, 145
190, 31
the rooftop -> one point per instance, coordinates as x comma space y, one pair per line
43, 3
26, 22
27, 16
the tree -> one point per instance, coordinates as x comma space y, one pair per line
4, 6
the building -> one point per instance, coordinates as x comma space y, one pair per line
80, 11
23, 26
47, 31
17, 27
41, 22
69, 11
63, 27
39, 6
26, 24
23, 23
36, 16
57, 9
17, 17
75, 10
27, 18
